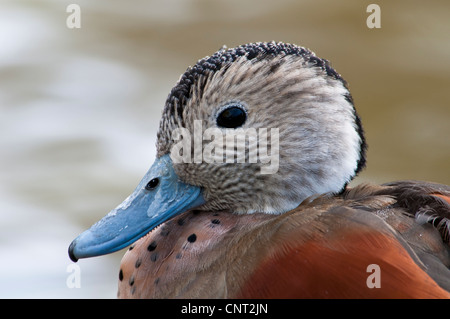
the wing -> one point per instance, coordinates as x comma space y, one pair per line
372, 244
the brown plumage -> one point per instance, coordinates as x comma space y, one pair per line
219, 229
319, 250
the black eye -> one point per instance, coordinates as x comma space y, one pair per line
232, 117
152, 184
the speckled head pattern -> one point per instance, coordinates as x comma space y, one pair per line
283, 86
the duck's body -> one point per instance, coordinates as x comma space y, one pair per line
323, 249
233, 230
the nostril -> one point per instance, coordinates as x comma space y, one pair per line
152, 184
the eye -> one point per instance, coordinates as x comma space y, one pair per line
232, 116
152, 184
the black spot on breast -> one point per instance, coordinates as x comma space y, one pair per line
131, 282
138, 263
165, 231
192, 238
154, 256
120, 275
152, 246
215, 221
156, 281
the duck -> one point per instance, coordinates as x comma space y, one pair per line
209, 220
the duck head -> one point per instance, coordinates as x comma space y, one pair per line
256, 128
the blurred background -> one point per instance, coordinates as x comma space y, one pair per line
79, 108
